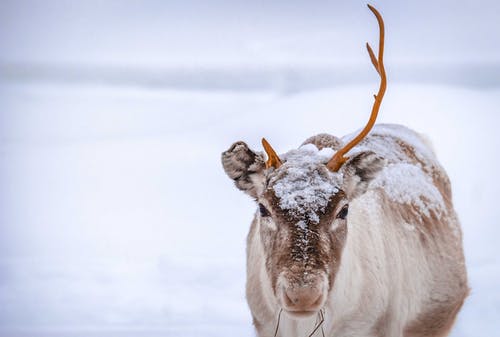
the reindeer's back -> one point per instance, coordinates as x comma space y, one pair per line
409, 156
413, 176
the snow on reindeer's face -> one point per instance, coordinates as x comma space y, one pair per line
303, 213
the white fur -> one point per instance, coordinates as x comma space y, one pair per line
382, 272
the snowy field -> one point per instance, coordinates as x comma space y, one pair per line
117, 219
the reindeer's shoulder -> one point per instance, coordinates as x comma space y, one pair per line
413, 177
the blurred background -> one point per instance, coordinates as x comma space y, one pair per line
116, 218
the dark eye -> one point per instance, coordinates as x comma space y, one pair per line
263, 211
343, 212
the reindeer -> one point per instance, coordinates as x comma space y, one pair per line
353, 236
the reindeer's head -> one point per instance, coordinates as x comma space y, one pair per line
303, 200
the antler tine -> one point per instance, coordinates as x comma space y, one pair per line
273, 160
338, 158
372, 57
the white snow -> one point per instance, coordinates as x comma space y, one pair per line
387, 147
304, 241
302, 225
303, 186
408, 136
408, 184
116, 218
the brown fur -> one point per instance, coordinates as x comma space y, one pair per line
380, 329
283, 253
437, 321
324, 140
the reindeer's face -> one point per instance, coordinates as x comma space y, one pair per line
303, 215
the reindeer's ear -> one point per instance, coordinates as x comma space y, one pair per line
359, 171
245, 167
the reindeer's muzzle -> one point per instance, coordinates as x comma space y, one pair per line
302, 299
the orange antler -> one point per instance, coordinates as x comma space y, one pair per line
272, 158
338, 158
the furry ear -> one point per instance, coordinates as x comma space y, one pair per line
359, 171
245, 167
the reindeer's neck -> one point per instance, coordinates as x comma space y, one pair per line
304, 327
361, 282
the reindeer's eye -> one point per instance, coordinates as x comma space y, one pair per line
263, 211
343, 212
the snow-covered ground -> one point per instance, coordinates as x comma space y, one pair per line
116, 218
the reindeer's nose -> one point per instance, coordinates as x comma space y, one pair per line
304, 300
